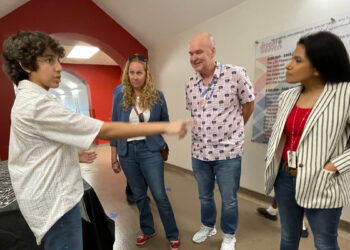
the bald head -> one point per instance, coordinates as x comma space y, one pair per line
202, 52
204, 37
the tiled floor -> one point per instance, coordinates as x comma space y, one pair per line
254, 232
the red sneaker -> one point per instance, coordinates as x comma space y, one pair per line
175, 244
142, 239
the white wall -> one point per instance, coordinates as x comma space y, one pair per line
235, 32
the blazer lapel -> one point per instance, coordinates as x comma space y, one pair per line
152, 113
321, 104
286, 107
126, 114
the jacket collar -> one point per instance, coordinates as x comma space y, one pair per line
322, 102
216, 75
287, 105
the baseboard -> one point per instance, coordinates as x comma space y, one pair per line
258, 196
343, 225
172, 167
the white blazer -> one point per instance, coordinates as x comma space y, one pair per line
324, 139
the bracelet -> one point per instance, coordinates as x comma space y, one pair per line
115, 162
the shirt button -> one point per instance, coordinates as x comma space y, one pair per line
301, 165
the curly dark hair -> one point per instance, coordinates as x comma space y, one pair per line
23, 49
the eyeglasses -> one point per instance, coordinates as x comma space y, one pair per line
141, 118
139, 57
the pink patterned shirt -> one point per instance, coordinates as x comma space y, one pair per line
217, 109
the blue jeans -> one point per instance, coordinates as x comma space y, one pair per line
323, 222
141, 164
66, 233
228, 174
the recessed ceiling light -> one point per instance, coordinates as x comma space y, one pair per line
82, 52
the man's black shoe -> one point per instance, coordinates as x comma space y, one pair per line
305, 233
266, 214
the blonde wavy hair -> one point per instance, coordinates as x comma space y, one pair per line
149, 94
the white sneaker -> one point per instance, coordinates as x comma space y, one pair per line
203, 233
228, 242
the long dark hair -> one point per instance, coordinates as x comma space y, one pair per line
328, 55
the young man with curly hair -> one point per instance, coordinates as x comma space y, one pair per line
44, 138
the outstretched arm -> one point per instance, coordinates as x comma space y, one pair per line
120, 130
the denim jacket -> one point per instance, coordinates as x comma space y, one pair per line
159, 112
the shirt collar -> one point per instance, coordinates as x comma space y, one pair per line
198, 78
29, 85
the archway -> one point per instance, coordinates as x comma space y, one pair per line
83, 20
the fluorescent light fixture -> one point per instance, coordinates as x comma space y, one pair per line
82, 52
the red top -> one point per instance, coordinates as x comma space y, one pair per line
294, 129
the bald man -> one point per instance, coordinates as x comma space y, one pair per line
221, 100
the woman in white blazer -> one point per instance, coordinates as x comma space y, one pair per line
307, 160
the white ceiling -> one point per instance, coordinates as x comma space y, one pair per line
6, 6
149, 21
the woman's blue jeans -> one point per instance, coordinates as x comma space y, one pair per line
323, 222
227, 174
66, 233
141, 164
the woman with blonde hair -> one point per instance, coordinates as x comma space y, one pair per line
140, 157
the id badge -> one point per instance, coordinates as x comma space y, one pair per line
201, 102
292, 159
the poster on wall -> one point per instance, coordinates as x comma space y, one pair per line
272, 54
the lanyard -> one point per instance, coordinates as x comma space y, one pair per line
205, 92
300, 124
210, 87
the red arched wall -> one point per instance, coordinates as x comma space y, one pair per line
70, 19
101, 97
